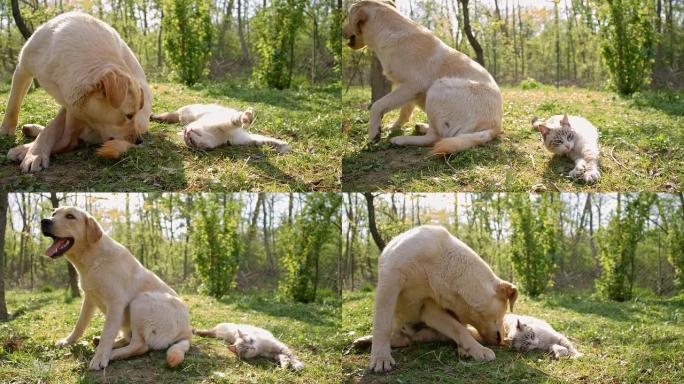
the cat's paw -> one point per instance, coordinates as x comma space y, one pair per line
578, 171
362, 342
591, 176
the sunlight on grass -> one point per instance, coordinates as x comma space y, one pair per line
640, 341
307, 118
28, 352
641, 139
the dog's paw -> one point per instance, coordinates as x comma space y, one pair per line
422, 128
381, 362
19, 152
8, 128
398, 140
34, 162
65, 342
591, 176
477, 352
99, 361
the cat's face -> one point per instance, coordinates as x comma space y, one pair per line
524, 339
558, 140
245, 347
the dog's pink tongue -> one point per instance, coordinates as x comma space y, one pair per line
54, 248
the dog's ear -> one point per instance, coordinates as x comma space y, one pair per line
507, 292
93, 230
247, 116
356, 18
114, 86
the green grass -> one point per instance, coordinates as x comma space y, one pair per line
641, 139
307, 118
28, 353
632, 342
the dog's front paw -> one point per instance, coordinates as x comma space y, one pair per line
477, 352
34, 162
99, 361
591, 176
64, 342
19, 152
8, 127
396, 140
381, 362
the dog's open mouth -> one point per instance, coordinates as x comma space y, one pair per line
352, 41
60, 245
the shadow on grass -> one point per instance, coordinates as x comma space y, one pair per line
311, 314
383, 165
293, 99
439, 362
671, 102
156, 165
262, 161
30, 306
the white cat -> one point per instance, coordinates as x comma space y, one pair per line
210, 125
525, 333
575, 137
248, 341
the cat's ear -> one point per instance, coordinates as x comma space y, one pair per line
240, 334
232, 348
519, 326
543, 129
565, 121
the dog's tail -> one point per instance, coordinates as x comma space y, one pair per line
113, 149
166, 117
463, 141
176, 353
204, 332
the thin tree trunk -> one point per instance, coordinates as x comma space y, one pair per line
19, 20
380, 86
241, 32
469, 34
4, 203
371, 221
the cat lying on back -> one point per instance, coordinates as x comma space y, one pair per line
208, 126
575, 137
525, 333
248, 341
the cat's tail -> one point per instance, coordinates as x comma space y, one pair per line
176, 353
286, 359
204, 332
295, 363
463, 141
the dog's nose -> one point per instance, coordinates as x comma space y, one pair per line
138, 141
45, 223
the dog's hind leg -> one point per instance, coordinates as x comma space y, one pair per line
437, 318
404, 116
21, 81
463, 141
136, 347
166, 117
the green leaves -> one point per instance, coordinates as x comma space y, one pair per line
188, 33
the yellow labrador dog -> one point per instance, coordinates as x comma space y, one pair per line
90, 71
133, 299
428, 278
461, 99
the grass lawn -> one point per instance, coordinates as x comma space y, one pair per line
633, 342
641, 139
28, 353
307, 118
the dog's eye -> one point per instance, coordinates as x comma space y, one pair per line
70, 216
129, 116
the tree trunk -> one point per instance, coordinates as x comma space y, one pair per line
469, 34
19, 20
241, 33
371, 221
3, 221
380, 86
